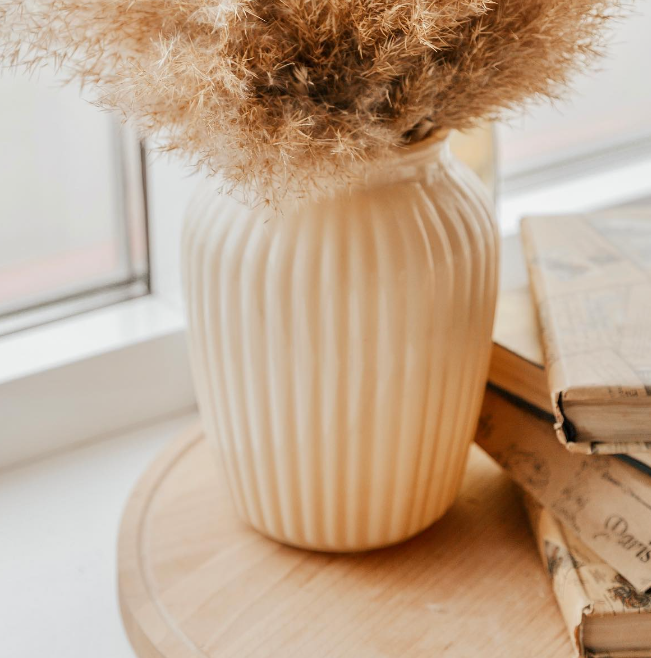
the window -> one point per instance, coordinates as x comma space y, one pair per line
73, 235
592, 150
76, 237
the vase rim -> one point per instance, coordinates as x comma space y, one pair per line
437, 137
409, 161
433, 142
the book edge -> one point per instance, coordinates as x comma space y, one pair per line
538, 516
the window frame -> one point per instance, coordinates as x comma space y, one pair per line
88, 376
131, 279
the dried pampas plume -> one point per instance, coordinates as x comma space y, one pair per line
284, 96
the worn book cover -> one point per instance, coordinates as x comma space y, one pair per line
517, 364
591, 280
604, 501
604, 614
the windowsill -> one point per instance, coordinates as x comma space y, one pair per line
58, 550
91, 375
86, 336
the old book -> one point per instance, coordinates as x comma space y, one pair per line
591, 280
606, 502
517, 365
605, 616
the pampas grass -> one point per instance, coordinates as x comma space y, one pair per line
285, 96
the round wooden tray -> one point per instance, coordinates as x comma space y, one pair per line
195, 581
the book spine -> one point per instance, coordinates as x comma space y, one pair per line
573, 601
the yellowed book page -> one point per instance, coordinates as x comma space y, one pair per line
517, 358
591, 279
604, 501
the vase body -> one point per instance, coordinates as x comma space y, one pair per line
340, 349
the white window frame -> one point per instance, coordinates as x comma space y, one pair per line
129, 280
91, 375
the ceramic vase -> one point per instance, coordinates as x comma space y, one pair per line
340, 348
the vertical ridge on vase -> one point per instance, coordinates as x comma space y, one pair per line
314, 448
392, 260
252, 360
276, 320
490, 276
268, 308
471, 197
443, 422
209, 260
227, 315
294, 372
442, 418
220, 270
472, 222
374, 453
411, 386
209, 241
202, 250
342, 440
321, 383
381, 482
331, 289
439, 248
240, 349
223, 307
445, 210
467, 230
359, 377
395, 340
369, 356
297, 293
200, 242
325, 465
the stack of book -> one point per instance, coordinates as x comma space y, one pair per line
568, 415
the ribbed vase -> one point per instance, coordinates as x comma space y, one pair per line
340, 349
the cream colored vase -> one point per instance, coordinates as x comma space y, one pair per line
340, 351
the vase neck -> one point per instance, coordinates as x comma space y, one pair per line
413, 162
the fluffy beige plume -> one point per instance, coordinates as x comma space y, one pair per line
285, 96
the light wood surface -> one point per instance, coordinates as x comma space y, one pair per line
195, 581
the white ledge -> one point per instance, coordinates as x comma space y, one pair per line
90, 376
